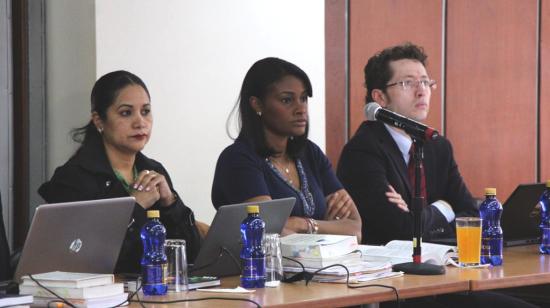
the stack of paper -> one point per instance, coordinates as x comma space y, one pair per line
338, 252
299, 245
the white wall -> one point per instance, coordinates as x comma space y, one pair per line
70, 73
193, 56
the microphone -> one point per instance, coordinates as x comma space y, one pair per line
417, 130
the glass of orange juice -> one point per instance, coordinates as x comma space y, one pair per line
468, 237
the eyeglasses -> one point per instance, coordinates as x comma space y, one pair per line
410, 84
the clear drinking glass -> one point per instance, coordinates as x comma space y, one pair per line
468, 235
177, 265
273, 259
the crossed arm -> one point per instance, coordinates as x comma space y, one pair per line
341, 217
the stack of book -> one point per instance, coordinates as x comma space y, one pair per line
80, 289
15, 301
299, 245
316, 251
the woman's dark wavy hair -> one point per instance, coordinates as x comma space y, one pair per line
258, 82
104, 94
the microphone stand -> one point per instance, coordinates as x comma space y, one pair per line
418, 202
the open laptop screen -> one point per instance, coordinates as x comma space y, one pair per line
520, 219
82, 236
219, 253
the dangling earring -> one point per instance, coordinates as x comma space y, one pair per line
259, 113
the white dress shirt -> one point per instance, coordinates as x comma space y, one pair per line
404, 143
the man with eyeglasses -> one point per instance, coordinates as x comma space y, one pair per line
374, 163
374, 169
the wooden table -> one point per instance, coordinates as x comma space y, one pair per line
522, 266
325, 294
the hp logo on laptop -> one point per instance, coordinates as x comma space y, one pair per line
75, 246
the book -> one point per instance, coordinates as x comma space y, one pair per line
362, 267
401, 251
351, 258
74, 293
195, 282
357, 278
98, 302
69, 279
317, 245
9, 300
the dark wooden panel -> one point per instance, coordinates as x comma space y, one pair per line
491, 91
335, 76
20, 122
377, 24
545, 92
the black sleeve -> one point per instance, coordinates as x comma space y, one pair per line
456, 192
239, 176
69, 184
179, 221
366, 174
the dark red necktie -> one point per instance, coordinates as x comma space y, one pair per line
411, 174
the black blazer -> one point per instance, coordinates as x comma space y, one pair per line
88, 176
371, 160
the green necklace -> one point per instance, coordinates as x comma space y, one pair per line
123, 180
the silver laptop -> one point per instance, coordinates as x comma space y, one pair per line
219, 253
82, 236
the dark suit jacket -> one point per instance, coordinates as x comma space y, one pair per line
88, 176
371, 160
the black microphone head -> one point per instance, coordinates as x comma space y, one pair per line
370, 110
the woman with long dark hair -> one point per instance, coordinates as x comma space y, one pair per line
109, 164
273, 158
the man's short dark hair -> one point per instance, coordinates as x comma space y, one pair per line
378, 71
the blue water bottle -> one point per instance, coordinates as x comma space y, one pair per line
545, 220
154, 267
490, 212
252, 253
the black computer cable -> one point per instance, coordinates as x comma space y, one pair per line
308, 276
141, 302
59, 298
223, 251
